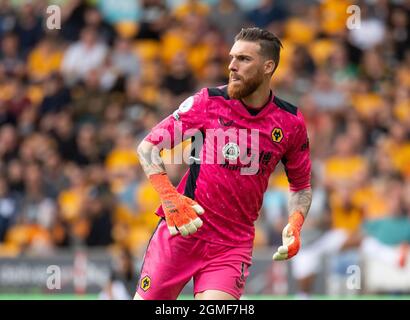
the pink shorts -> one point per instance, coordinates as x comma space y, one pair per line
171, 261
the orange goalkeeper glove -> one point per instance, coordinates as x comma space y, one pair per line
181, 213
290, 237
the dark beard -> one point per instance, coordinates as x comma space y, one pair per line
246, 88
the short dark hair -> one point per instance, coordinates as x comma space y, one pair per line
270, 44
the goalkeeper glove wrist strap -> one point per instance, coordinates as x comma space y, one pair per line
162, 184
296, 219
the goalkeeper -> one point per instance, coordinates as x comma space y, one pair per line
207, 226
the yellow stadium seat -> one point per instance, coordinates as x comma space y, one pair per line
9, 250
299, 31
367, 104
199, 8
35, 93
147, 50
372, 203
70, 202
334, 16
121, 158
321, 50
402, 110
126, 29
173, 42
346, 218
344, 169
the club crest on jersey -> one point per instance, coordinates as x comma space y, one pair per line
277, 135
231, 151
145, 283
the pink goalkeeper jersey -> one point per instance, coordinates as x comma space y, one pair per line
233, 155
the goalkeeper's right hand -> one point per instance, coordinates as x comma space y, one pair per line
181, 213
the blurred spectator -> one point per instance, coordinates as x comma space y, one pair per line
64, 135
213, 74
56, 95
375, 75
15, 176
124, 60
8, 207
325, 94
45, 59
37, 207
8, 143
302, 62
114, 289
6, 117
11, 59
274, 207
35, 217
179, 80
73, 19
8, 17
94, 19
343, 71
399, 23
397, 146
89, 99
154, 19
346, 165
98, 208
83, 56
226, 16
18, 100
122, 158
29, 27
124, 267
71, 202
88, 150
53, 169
269, 11
134, 98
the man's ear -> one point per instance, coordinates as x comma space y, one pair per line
269, 66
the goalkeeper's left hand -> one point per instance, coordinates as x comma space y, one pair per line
290, 237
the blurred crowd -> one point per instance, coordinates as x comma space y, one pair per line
74, 101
